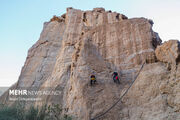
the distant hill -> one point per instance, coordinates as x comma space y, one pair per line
2, 90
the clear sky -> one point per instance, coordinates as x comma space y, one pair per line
21, 23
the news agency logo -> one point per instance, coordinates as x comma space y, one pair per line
18, 92
32, 94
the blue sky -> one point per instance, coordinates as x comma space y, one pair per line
21, 23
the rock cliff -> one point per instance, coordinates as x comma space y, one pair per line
80, 43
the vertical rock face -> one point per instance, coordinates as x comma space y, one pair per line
80, 43
42, 56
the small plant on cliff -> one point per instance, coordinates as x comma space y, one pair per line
32, 114
55, 113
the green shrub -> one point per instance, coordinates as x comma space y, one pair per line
43, 113
32, 114
18, 112
11, 113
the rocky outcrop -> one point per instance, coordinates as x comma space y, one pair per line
58, 19
80, 43
169, 52
154, 95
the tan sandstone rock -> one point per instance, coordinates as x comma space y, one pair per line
169, 51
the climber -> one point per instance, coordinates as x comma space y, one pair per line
116, 78
93, 79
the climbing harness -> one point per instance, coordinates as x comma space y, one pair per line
96, 117
93, 79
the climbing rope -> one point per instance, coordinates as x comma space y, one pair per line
121, 96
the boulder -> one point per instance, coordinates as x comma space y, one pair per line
169, 51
